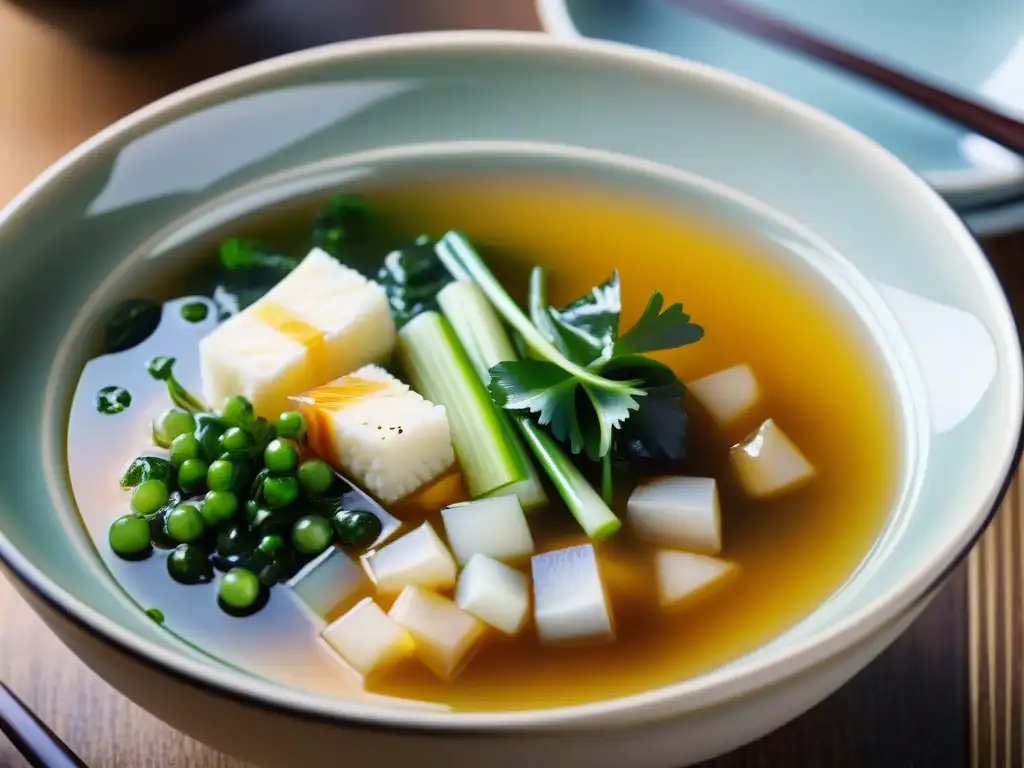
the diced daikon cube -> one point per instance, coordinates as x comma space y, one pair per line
373, 427
569, 602
768, 463
495, 527
368, 639
685, 576
727, 395
321, 321
445, 636
677, 512
418, 558
331, 584
494, 593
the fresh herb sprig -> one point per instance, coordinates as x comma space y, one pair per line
161, 368
590, 385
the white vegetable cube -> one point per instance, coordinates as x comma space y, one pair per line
768, 463
369, 640
417, 558
372, 427
329, 585
495, 527
445, 636
569, 602
495, 593
677, 512
682, 577
727, 395
321, 321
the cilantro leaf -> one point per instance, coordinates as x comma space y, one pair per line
611, 410
657, 330
588, 326
542, 388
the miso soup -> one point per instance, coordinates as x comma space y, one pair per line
364, 471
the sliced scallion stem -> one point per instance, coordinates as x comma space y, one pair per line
439, 369
487, 343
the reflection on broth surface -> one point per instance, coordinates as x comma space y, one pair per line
818, 381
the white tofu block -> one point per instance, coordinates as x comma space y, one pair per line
418, 558
373, 428
727, 395
445, 636
321, 321
684, 576
330, 584
678, 512
495, 593
569, 602
495, 527
768, 463
369, 640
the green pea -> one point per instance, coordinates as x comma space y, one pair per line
239, 588
171, 423
218, 507
356, 529
220, 476
270, 544
149, 496
280, 456
251, 510
235, 439
129, 536
279, 492
189, 564
192, 475
291, 424
183, 448
311, 535
238, 411
195, 311
185, 523
315, 476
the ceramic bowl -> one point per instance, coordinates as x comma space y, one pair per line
812, 189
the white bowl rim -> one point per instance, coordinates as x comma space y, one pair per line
705, 691
556, 20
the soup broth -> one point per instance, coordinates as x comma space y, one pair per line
820, 382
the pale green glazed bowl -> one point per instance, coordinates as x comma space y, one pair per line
816, 192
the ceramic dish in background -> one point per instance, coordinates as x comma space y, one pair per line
975, 175
447, 102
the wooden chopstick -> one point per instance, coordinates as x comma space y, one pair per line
30, 736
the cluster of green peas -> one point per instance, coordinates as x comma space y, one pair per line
193, 504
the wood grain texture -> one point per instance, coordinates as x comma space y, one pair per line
910, 708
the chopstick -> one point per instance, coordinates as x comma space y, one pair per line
30, 736
742, 17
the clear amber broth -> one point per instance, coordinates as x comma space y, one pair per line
823, 384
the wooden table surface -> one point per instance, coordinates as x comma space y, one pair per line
947, 694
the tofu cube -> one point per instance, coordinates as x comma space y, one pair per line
727, 395
495, 593
373, 428
330, 584
369, 640
495, 527
418, 558
768, 463
678, 512
321, 321
446, 637
569, 601
683, 577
